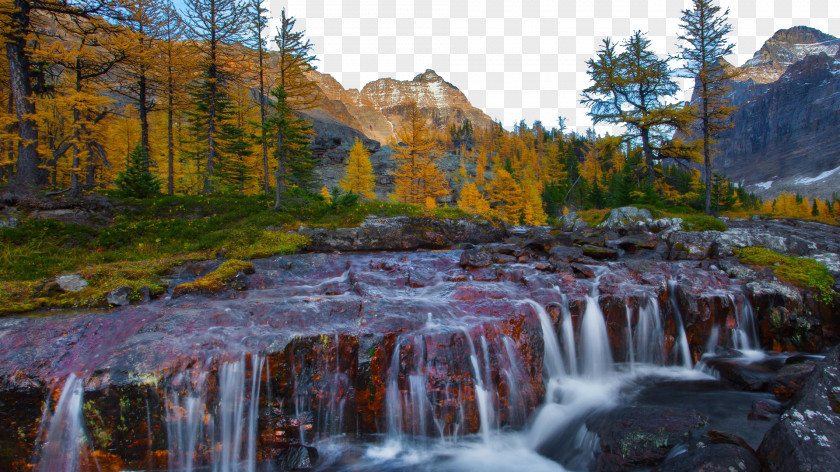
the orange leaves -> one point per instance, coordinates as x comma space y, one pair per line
359, 177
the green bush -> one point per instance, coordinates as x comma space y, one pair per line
702, 223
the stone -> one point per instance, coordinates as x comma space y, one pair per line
565, 253
713, 458
504, 258
634, 242
9, 223
807, 436
625, 216
640, 436
48, 289
790, 379
597, 252
475, 258
71, 283
765, 410
297, 458
571, 222
145, 294
119, 296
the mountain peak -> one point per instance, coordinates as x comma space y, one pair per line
799, 35
786, 47
428, 76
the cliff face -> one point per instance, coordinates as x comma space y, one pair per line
378, 110
787, 125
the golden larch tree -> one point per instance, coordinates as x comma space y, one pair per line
472, 201
506, 195
417, 176
359, 176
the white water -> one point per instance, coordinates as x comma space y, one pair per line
683, 351
65, 435
596, 356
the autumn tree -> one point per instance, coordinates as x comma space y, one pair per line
359, 177
212, 25
629, 87
417, 176
704, 46
506, 195
176, 74
258, 23
472, 201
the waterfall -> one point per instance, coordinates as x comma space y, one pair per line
568, 333
393, 402
744, 335
62, 445
482, 395
552, 359
185, 425
649, 335
596, 356
684, 352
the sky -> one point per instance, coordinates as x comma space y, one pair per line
518, 59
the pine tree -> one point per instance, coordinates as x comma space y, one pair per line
293, 135
705, 34
212, 25
173, 52
137, 181
630, 88
506, 195
472, 201
258, 22
417, 176
359, 177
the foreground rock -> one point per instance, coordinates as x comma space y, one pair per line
404, 233
807, 438
633, 437
713, 458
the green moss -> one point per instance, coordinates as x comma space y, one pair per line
217, 280
702, 223
799, 271
270, 243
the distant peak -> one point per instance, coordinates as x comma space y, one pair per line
428, 76
800, 35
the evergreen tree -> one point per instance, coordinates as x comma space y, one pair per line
235, 149
359, 177
630, 87
292, 134
137, 181
705, 46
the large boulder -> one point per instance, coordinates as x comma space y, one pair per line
624, 216
713, 458
807, 437
404, 233
71, 283
572, 222
640, 436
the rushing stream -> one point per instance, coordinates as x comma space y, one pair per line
383, 362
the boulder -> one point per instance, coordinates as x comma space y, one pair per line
598, 252
565, 254
790, 379
634, 242
475, 258
296, 457
571, 222
10, 223
713, 458
119, 296
624, 216
71, 283
807, 437
640, 436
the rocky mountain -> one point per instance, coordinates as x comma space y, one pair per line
379, 108
787, 125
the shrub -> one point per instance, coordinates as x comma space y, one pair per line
703, 223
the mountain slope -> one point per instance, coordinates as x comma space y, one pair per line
787, 125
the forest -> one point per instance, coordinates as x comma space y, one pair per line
138, 98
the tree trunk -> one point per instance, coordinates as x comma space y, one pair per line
648, 155
143, 110
262, 121
280, 183
28, 175
707, 153
211, 118
170, 179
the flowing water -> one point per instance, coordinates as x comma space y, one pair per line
462, 371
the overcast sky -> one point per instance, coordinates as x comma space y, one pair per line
517, 59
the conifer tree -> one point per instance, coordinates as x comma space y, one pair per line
472, 201
417, 176
532, 211
629, 87
704, 47
212, 25
506, 195
176, 74
359, 177
137, 181
293, 135
258, 22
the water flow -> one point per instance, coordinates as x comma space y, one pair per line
596, 356
65, 435
568, 333
649, 335
482, 395
744, 336
682, 340
552, 358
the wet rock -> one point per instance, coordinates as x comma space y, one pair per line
571, 222
713, 458
790, 379
71, 283
582, 270
504, 259
119, 296
765, 410
752, 377
593, 238
807, 435
296, 458
475, 258
632, 437
145, 294
597, 252
624, 216
633, 242
565, 253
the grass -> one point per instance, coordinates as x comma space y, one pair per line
217, 280
702, 223
799, 271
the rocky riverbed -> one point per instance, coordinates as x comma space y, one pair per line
475, 347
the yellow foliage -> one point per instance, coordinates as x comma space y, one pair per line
506, 194
417, 177
326, 194
430, 203
532, 212
480, 168
472, 201
359, 177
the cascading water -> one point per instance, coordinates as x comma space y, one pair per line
65, 437
684, 353
744, 335
596, 356
648, 337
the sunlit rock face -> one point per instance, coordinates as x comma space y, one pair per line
407, 345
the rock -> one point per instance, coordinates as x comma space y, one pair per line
404, 233
597, 252
790, 379
503, 258
475, 258
713, 458
71, 283
640, 436
10, 223
48, 289
693, 245
624, 216
752, 377
765, 410
571, 222
145, 294
807, 436
633, 242
583, 271
565, 253
119, 296
665, 225
296, 458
